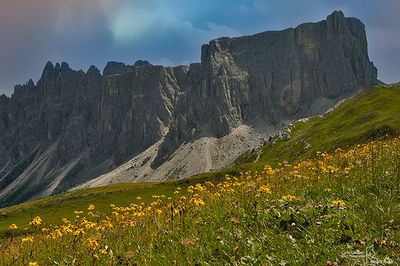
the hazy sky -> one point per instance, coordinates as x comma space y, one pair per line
168, 32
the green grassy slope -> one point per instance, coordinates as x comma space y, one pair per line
338, 208
53, 208
373, 113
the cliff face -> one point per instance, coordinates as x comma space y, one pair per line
270, 77
73, 126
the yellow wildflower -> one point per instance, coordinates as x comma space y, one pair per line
27, 239
55, 234
140, 214
264, 189
210, 184
289, 197
13, 227
79, 232
91, 207
197, 201
103, 251
268, 169
199, 187
338, 203
36, 221
91, 243
33, 264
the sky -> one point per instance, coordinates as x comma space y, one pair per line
167, 32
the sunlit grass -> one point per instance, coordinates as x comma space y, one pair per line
371, 114
338, 207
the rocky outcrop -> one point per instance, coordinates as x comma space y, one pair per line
73, 126
270, 77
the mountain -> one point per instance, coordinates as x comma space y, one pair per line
149, 122
294, 205
374, 113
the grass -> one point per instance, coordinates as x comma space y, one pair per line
341, 207
53, 208
338, 206
371, 114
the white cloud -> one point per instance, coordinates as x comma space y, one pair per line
131, 23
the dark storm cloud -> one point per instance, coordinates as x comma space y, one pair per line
85, 32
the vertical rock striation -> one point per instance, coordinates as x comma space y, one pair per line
73, 126
271, 77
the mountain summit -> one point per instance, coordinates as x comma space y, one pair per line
148, 122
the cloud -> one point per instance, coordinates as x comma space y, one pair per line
160, 32
133, 23
85, 32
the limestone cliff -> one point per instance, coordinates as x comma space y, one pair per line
73, 126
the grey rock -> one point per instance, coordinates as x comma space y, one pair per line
270, 77
141, 63
73, 126
113, 68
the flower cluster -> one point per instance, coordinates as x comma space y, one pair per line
90, 228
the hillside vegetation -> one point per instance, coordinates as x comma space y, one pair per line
371, 114
328, 194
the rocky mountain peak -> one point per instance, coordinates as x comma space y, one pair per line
93, 70
30, 83
64, 67
140, 63
114, 68
3, 99
336, 15
49, 68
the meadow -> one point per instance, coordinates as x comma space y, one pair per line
339, 205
